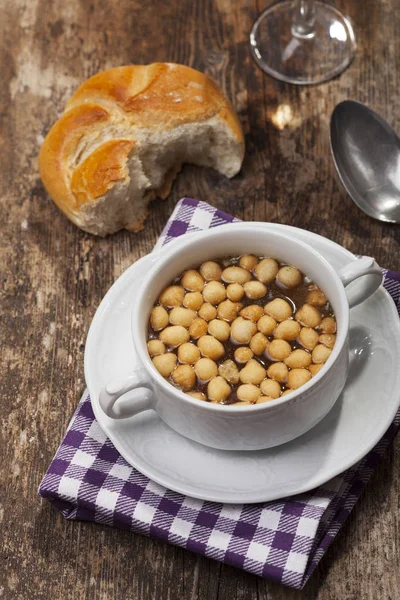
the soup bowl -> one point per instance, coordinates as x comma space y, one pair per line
251, 427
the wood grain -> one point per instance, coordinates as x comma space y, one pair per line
53, 276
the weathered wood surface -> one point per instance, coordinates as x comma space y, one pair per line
53, 276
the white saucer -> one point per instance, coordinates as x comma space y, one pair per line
358, 420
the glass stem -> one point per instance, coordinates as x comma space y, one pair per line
303, 18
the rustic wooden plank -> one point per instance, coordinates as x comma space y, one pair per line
53, 276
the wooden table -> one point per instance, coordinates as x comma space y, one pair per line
53, 276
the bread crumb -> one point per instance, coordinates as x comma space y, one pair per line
194, 84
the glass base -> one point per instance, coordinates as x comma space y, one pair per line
289, 56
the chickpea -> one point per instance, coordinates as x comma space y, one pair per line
297, 378
228, 310
214, 292
158, 318
308, 315
242, 330
258, 343
316, 297
193, 300
210, 347
192, 281
266, 270
308, 338
263, 399
197, 316
290, 277
197, 395
218, 389
271, 388
198, 327
175, 335
327, 339
243, 355
185, 377
165, 363
278, 371
172, 296
255, 290
298, 359
241, 404
253, 372
314, 369
219, 329
279, 309
207, 312
248, 393
279, 349
266, 325
235, 275
181, 316
287, 330
320, 354
328, 325
206, 369
252, 312
211, 271
188, 353
155, 347
235, 292
229, 371
248, 261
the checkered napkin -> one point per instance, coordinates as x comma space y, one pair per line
283, 540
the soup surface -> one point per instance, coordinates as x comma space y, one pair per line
241, 330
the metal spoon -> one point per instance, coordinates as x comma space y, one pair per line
366, 152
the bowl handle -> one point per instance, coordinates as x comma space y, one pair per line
358, 268
113, 391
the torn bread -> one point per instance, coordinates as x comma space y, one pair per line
125, 135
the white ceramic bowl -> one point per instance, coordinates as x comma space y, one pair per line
245, 427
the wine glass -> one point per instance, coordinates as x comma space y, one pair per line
302, 41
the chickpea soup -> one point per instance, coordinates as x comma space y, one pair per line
242, 330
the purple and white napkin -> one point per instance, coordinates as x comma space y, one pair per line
283, 540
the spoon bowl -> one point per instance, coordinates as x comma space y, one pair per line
366, 152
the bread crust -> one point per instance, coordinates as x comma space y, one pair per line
97, 149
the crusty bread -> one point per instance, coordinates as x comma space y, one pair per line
124, 136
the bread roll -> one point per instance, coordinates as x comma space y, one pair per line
124, 136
